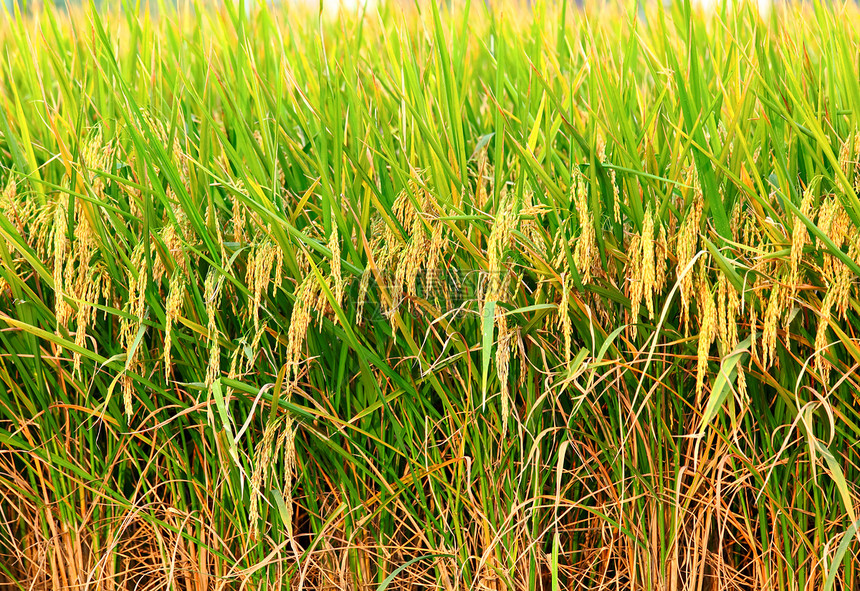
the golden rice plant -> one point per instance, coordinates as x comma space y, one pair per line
430, 297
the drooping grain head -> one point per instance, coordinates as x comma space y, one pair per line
531, 219
300, 321
498, 244
649, 267
287, 442
213, 367
821, 342
173, 308
95, 157
723, 313
849, 159
239, 221
775, 308
262, 467
687, 244
482, 174
709, 327
585, 255
503, 361
174, 251
62, 308
11, 208
336, 276
799, 239
634, 286
564, 320
258, 277
211, 301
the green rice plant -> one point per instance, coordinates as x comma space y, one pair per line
429, 297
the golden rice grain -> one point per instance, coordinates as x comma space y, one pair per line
287, 441
503, 360
62, 309
688, 238
258, 277
262, 462
86, 312
95, 156
753, 317
772, 314
173, 307
335, 276
363, 287
173, 244
300, 321
585, 252
255, 341
661, 256
733, 308
212, 301
279, 266
132, 325
419, 247
238, 222
649, 267
836, 224
841, 286
707, 332
821, 364
213, 368
737, 219
848, 159
723, 320
480, 184
634, 286
799, 239
235, 372
500, 240
531, 216
436, 251
12, 209
564, 320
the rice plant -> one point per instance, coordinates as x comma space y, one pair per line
414, 296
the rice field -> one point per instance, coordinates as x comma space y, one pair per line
458, 297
